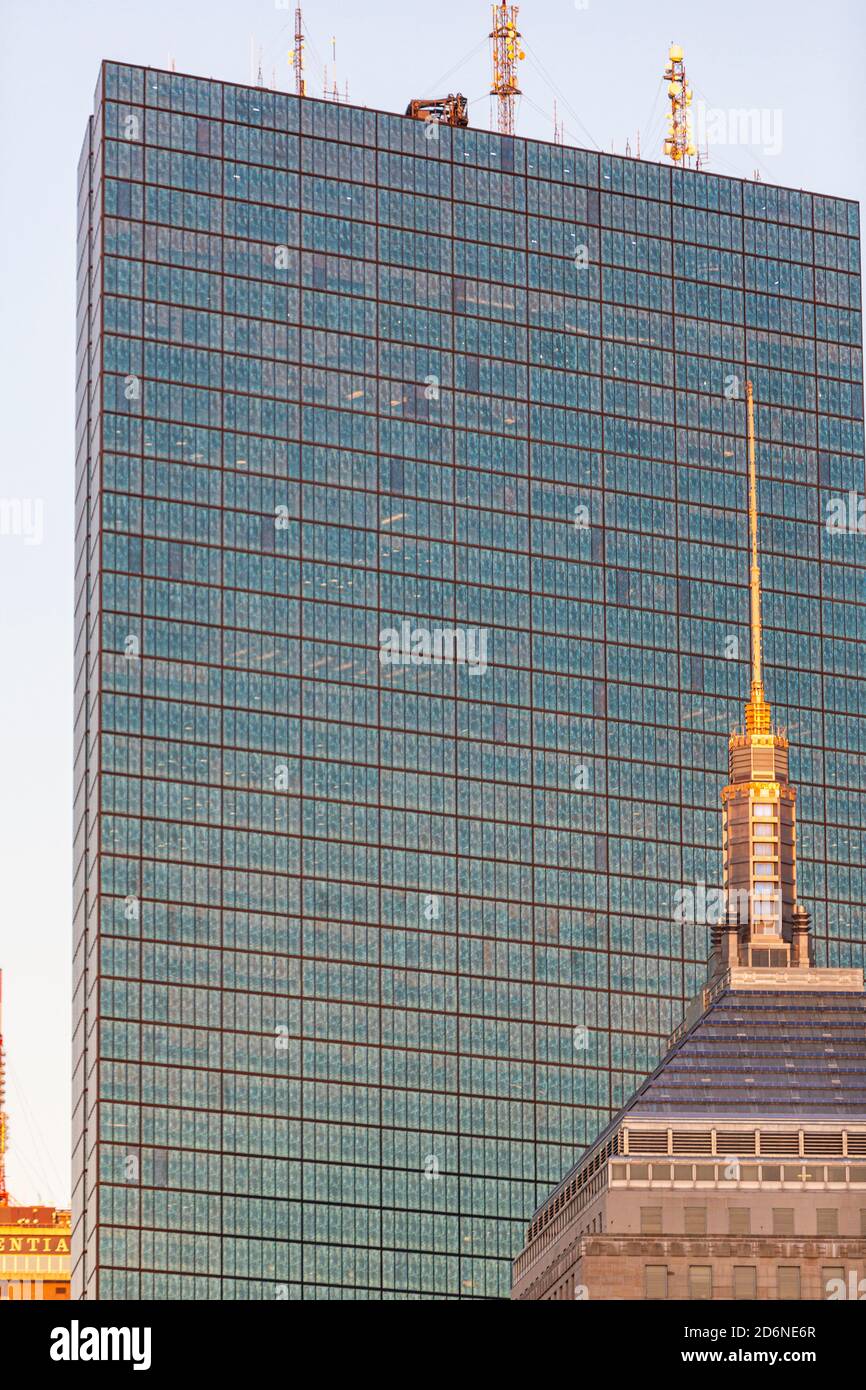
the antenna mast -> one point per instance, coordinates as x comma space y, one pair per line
333, 95
679, 142
298, 55
504, 39
4, 1192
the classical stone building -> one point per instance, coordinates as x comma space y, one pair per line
738, 1169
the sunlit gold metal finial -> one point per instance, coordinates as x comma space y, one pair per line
758, 714
763, 924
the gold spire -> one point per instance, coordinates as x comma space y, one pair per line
758, 714
763, 924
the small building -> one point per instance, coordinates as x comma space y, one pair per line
35, 1261
738, 1169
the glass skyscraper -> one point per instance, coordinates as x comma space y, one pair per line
411, 624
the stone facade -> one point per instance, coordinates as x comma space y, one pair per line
737, 1170
616, 1267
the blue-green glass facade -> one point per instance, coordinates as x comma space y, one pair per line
411, 624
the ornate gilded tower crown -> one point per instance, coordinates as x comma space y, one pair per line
763, 925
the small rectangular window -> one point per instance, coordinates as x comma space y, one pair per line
828, 1221
700, 1281
696, 1221
788, 1282
833, 1281
739, 1221
650, 1221
745, 1281
783, 1221
656, 1281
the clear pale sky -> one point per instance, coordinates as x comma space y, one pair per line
799, 63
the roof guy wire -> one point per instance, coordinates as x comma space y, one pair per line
545, 76
311, 45
41, 1150
654, 119
752, 157
574, 141
440, 81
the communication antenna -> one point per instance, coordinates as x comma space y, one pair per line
334, 93
298, 55
679, 142
505, 44
557, 127
4, 1191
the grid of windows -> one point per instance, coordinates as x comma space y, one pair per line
411, 626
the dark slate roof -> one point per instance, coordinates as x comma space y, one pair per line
765, 1054
757, 1054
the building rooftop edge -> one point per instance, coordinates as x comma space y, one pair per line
768, 979
806, 982
493, 134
